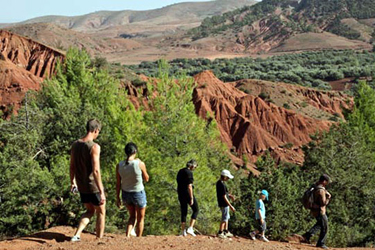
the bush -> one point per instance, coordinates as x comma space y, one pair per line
286, 105
264, 96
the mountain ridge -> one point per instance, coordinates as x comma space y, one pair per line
196, 11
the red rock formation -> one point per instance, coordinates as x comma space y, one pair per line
23, 66
34, 57
250, 126
14, 83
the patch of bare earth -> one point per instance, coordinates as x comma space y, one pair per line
364, 29
319, 41
57, 238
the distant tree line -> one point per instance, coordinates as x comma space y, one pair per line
311, 69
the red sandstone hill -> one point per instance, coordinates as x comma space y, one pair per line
250, 126
23, 66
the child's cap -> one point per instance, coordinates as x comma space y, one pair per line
227, 174
265, 193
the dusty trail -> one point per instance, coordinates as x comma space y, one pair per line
58, 239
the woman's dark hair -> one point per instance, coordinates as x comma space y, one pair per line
130, 149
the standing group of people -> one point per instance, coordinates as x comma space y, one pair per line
85, 178
186, 197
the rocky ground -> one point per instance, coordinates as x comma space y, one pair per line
58, 239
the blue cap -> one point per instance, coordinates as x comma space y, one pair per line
265, 192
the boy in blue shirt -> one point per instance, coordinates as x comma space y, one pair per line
260, 216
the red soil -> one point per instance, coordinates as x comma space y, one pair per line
58, 239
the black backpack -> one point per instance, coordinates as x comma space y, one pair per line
308, 197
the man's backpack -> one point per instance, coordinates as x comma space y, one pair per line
308, 197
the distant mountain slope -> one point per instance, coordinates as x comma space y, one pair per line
62, 38
270, 23
186, 13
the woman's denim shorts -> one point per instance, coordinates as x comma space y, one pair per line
135, 198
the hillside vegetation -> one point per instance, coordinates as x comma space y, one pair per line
269, 23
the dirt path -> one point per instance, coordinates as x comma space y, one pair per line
58, 239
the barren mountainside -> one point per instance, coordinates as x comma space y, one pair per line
181, 13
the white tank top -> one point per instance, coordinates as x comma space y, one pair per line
131, 176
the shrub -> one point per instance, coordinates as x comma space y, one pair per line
286, 105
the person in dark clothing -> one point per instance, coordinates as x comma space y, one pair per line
186, 197
223, 197
321, 199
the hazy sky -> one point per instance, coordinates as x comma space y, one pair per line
20, 10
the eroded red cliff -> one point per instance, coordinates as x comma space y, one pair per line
250, 126
24, 64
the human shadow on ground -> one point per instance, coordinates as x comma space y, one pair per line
43, 236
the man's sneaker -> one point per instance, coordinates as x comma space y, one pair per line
252, 236
132, 233
221, 235
228, 234
190, 231
323, 246
183, 233
75, 239
262, 238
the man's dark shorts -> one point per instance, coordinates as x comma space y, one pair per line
93, 199
262, 227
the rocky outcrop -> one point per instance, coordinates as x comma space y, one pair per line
14, 83
34, 57
23, 66
251, 126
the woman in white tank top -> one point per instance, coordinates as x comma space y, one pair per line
130, 175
